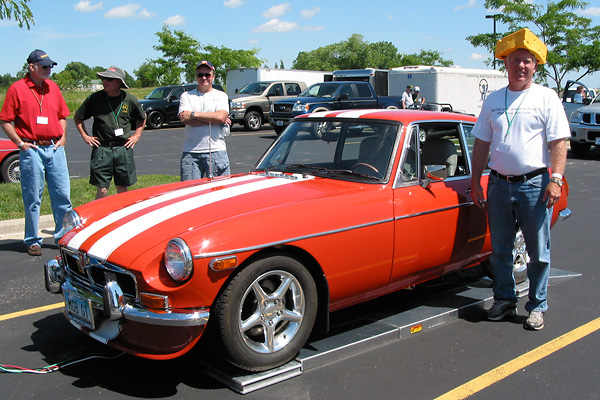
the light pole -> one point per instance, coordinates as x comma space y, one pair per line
494, 16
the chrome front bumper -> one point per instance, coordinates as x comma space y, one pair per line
113, 305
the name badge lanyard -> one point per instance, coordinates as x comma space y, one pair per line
118, 131
41, 120
510, 121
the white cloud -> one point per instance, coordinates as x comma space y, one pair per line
253, 41
470, 4
145, 14
233, 3
129, 11
276, 25
591, 12
87, 6
277, 11
477, 56
175, 20
310, 13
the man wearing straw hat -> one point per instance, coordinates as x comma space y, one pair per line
522, 128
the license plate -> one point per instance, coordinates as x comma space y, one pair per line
79, 309
598, 141
279, 123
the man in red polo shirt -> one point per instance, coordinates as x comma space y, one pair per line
34, 118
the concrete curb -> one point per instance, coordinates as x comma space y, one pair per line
16, 227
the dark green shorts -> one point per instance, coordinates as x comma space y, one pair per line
109, 162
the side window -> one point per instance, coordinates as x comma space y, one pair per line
292, 89
176, 93
347, 91
470, 139
441, 144
276, 90
363, 91
409, 171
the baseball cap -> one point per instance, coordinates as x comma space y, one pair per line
417, 89
207, 63
409, 87
115, 73
39, 57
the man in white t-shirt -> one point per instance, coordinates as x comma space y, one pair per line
407, 99
204, 111
522, 128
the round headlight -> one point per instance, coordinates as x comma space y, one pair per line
178, 260
70, 221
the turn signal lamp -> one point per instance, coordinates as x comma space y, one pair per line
221, 264
154, 301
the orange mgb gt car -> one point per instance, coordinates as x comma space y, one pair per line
343, 207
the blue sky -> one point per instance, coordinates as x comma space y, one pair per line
122, 33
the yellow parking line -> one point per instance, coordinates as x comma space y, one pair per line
501, 372
31, 311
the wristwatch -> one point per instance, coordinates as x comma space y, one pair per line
192, 115
20, 144
558, 181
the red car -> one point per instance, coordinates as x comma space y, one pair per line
9, 161
344, 206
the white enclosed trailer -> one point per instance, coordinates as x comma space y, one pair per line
464, 89
238, 78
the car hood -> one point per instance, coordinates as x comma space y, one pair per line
149, 102
294, 100
243, 96
222, 216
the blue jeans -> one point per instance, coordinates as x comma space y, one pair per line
39, 165
202, 165
511, 203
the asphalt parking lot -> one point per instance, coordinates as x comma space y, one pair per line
558, 362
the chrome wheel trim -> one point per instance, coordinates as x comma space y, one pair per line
520, 256
271, 311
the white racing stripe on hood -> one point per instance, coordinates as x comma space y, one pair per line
111, 241
77, 240
347, 114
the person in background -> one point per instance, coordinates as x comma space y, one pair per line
407, 99
580, 95
34, 118
522, 128
417, 96
205, 113
112, 140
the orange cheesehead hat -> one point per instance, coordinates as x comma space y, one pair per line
523, 39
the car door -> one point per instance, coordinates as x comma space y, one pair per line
437, 227
172, 107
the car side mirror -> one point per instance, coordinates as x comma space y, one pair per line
173, 98
436, 173
587, 101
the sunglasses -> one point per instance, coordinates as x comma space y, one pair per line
206, 75
108, 79
47, 66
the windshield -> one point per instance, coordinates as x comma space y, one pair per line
320, 90
254, 88
349, 150
159, 93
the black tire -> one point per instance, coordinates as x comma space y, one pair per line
155, 120
266, 313
11, 171
252, 121
520, 260
580, 149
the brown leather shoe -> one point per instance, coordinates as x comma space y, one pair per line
34, 250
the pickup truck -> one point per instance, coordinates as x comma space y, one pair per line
585, 128
569, 99
250, 105
329, 96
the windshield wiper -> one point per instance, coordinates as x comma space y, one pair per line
349, 172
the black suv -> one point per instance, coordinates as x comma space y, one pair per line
162, 104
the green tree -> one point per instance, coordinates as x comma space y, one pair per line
571, 39
181, 52
147, 74
356, 53
17, 10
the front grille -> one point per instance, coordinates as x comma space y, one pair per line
95, 273
287, 108
590, 119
